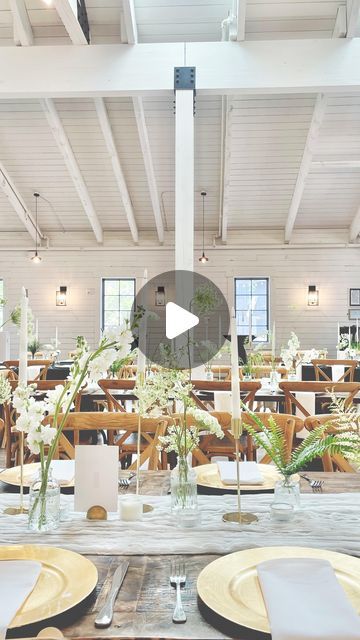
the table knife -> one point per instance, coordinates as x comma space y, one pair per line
105, 615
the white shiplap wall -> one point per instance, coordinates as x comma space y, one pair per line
334, 271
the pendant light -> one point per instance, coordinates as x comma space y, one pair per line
36, 258
203, 257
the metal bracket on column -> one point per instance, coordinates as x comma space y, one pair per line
184, 79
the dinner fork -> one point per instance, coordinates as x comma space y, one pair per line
125, 482
316, 485
177, 579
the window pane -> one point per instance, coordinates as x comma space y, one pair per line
243, 287
111, 287
111, 318
126, 302
259, 319
259, 286
111, 303
243, 302
260, 303
127, 287
124, 315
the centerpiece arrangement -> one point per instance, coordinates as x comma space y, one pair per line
292, 357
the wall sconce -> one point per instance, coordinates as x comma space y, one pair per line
313, 296
160, 297
61, 297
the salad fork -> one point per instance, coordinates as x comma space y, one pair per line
316, 485
177, 579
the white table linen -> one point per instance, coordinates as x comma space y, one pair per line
305, 601
17, 580
249, 473
222, 401
327, 521
338, 370
307, 399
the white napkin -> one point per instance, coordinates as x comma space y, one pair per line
307, 400
63, 470
17, 580
249, 473
338, 370
222, 401
305, 601
33, 372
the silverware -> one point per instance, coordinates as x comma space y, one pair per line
177, 579
125, 482
316, 485
105, 615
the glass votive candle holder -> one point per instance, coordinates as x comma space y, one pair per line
281, 511
131, 508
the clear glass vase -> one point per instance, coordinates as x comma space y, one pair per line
184, 504
209, 375
287, 490
44, 503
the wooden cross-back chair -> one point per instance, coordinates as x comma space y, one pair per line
335, 462
122, 430
347, 376
212, 446
109, 386
267, 357
347, 389
248, 388
43, 364
265, 371
221, 372
11, 437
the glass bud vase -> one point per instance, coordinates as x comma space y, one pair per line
287, 490
184, 504
209, 375
44, 503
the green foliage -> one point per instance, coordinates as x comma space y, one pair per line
271, 439
33, 346
205, 300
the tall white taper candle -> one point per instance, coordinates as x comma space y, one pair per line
141, 363
56, 338
23, 344
273, 341
235, 381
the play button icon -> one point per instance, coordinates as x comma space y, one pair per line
178, 320
184, 320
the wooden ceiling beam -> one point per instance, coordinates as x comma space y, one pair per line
23, 34
18, 204
68, 13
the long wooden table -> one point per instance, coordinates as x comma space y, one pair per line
145, 604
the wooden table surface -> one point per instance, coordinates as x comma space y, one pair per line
145, 604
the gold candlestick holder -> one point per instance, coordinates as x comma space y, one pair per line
238, 516
146, 507
15, 511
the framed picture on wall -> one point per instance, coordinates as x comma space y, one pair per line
354, 298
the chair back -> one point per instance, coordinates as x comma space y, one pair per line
289, 388
43, 364
108, 386
265, 371
289, 424
347, 376
120, 426
332, 420
249, 388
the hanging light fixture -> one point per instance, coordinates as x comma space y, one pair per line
203, 257
36, 258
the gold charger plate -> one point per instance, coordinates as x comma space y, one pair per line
230, 586
58, 588
12, 475
208, 476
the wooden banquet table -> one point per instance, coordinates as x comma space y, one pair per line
145, 603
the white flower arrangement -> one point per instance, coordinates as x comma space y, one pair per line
5, 390
184, 440
343, 343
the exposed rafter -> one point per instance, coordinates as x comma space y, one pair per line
256, 67
149, 167
130, 21
23, 34
72, 165
305, 165
115, 161
353, 15
340, 27
226, 171
68, 12
241, 19
16, 200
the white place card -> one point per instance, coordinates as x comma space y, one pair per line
96, 477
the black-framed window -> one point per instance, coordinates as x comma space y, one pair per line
252, 304
117, 297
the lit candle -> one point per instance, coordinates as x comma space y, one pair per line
23, 346
338, 332
235, 381
273, 341
56, 338
141, 363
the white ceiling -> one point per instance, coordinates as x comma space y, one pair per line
266, 134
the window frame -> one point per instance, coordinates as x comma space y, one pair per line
102, 299
251, 279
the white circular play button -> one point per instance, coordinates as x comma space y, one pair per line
184, 319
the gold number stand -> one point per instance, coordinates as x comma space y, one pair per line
238, 516
15, 511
